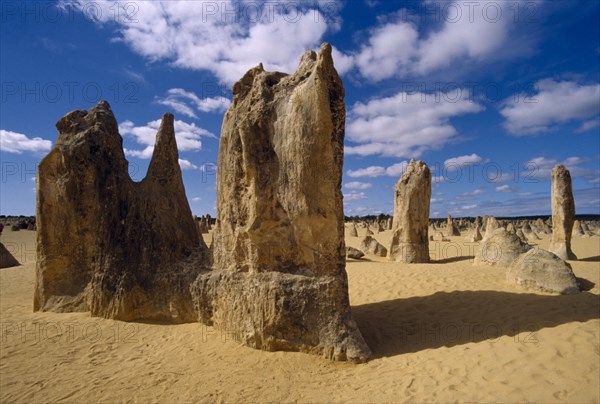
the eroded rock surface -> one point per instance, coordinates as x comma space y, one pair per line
120, 249
410, 242
563, 213
279, 279
543, 271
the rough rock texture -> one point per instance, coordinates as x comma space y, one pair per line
500, 248
511, 228
542, 270
521, 236
451, 229
354, 253
353, 231
563, 213
368, 232
476, 235
371, 246
279, 280
410, 242
577, 229
491, 225
6, 258
106, 244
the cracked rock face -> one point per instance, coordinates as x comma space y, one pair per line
120, 249
563, 213
279, 279
410, 242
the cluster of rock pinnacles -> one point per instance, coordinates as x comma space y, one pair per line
274, 276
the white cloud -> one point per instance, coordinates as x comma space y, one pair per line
541, 168
357, 185
477, 32
354, 196
223, 37
373, 171
589, 125
406, 124
554, 103
13, 142
196, 199
504, 188
395, 170
187, 135
459, 162
180, 99
187, 165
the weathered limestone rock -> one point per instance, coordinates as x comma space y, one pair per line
6, 258
577, 229
354, 253
476, 235
500, 248
389, 224
451, 229
106, 244
368, 232
371, 246
410, 242
491, 225
278, 280
510, 228
521, 236
353, 231
542, 270
563, 213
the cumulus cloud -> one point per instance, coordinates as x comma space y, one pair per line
14, 142
354, 196
471, 32
541, 168
460, 161
187, 135
187, 102
187, 165
196, 199
357, 185
504, 188
395, 170
554, 103
225, 38
406, 124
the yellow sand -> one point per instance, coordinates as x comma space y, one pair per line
441, 332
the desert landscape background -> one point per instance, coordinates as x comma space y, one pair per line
447, 331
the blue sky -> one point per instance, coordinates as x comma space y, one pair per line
490, 94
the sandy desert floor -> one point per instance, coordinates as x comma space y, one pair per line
447, 331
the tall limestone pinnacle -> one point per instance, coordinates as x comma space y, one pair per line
410, 241
563, 213
279, 276
105, 243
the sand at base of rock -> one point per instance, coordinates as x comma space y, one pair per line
448, 331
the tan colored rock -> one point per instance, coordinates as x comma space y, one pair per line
451, 229
279, 278
410, 242
491, 225
371, 246
353, 231
368, 232
6, 258
542, 270
120, 249
577, 229
510, 228
563, 213
500, 248
476, 235
354, 253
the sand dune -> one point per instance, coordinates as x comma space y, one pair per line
447, 331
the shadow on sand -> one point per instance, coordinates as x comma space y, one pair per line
413, 324
590, 259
